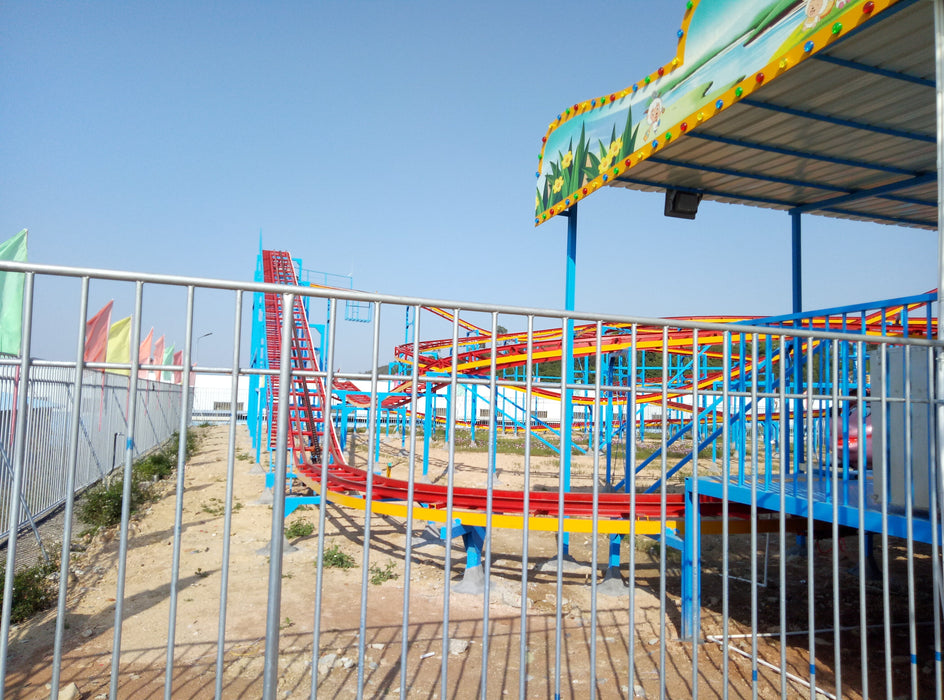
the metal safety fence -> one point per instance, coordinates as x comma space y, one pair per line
745, 543
103, 432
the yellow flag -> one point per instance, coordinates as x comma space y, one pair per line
119, 344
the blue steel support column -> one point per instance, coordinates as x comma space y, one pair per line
567, 417
376, 418
323, 330
797, 235
256, 351
608, 421
691, 587
257, 442
473, 416
613, 559
796, 240
342, 423
428, 428
450, 411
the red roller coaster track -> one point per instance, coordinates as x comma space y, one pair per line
307, 427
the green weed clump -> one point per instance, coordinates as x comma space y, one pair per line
33, 592
334, 558
102, 504
173, 445
155, 466
299, 528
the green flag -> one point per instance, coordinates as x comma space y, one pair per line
168, 360
11, 295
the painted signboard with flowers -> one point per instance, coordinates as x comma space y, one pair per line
726, 50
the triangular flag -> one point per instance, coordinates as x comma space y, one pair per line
119, 344
144, 354
96, 334
168, 360
178, 360
11, 295
157, 352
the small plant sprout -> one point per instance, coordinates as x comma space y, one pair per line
379, 575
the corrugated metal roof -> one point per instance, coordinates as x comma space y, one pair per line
850, 133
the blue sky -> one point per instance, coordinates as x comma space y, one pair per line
396, 141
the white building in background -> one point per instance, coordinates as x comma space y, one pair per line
213, 398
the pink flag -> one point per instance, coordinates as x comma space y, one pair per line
96, 334
157, 352
144, 354
178, 360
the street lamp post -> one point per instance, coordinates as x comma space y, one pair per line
196, 349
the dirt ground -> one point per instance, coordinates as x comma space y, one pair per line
90, 618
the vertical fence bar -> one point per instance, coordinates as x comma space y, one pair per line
808, 418
491, 466
372, 428
863, 618
411, 484
329, 346
19, 454
725, 505
883, 465
270, 677
663, 535
909, 517
752, 421
595, 515
782, 513
179, 494
126, 491
934, 506
70, 489
523, 621
834, 469
938, 464
564, 463
325, 458
631, 487
228, 513
696, 540
450, 488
